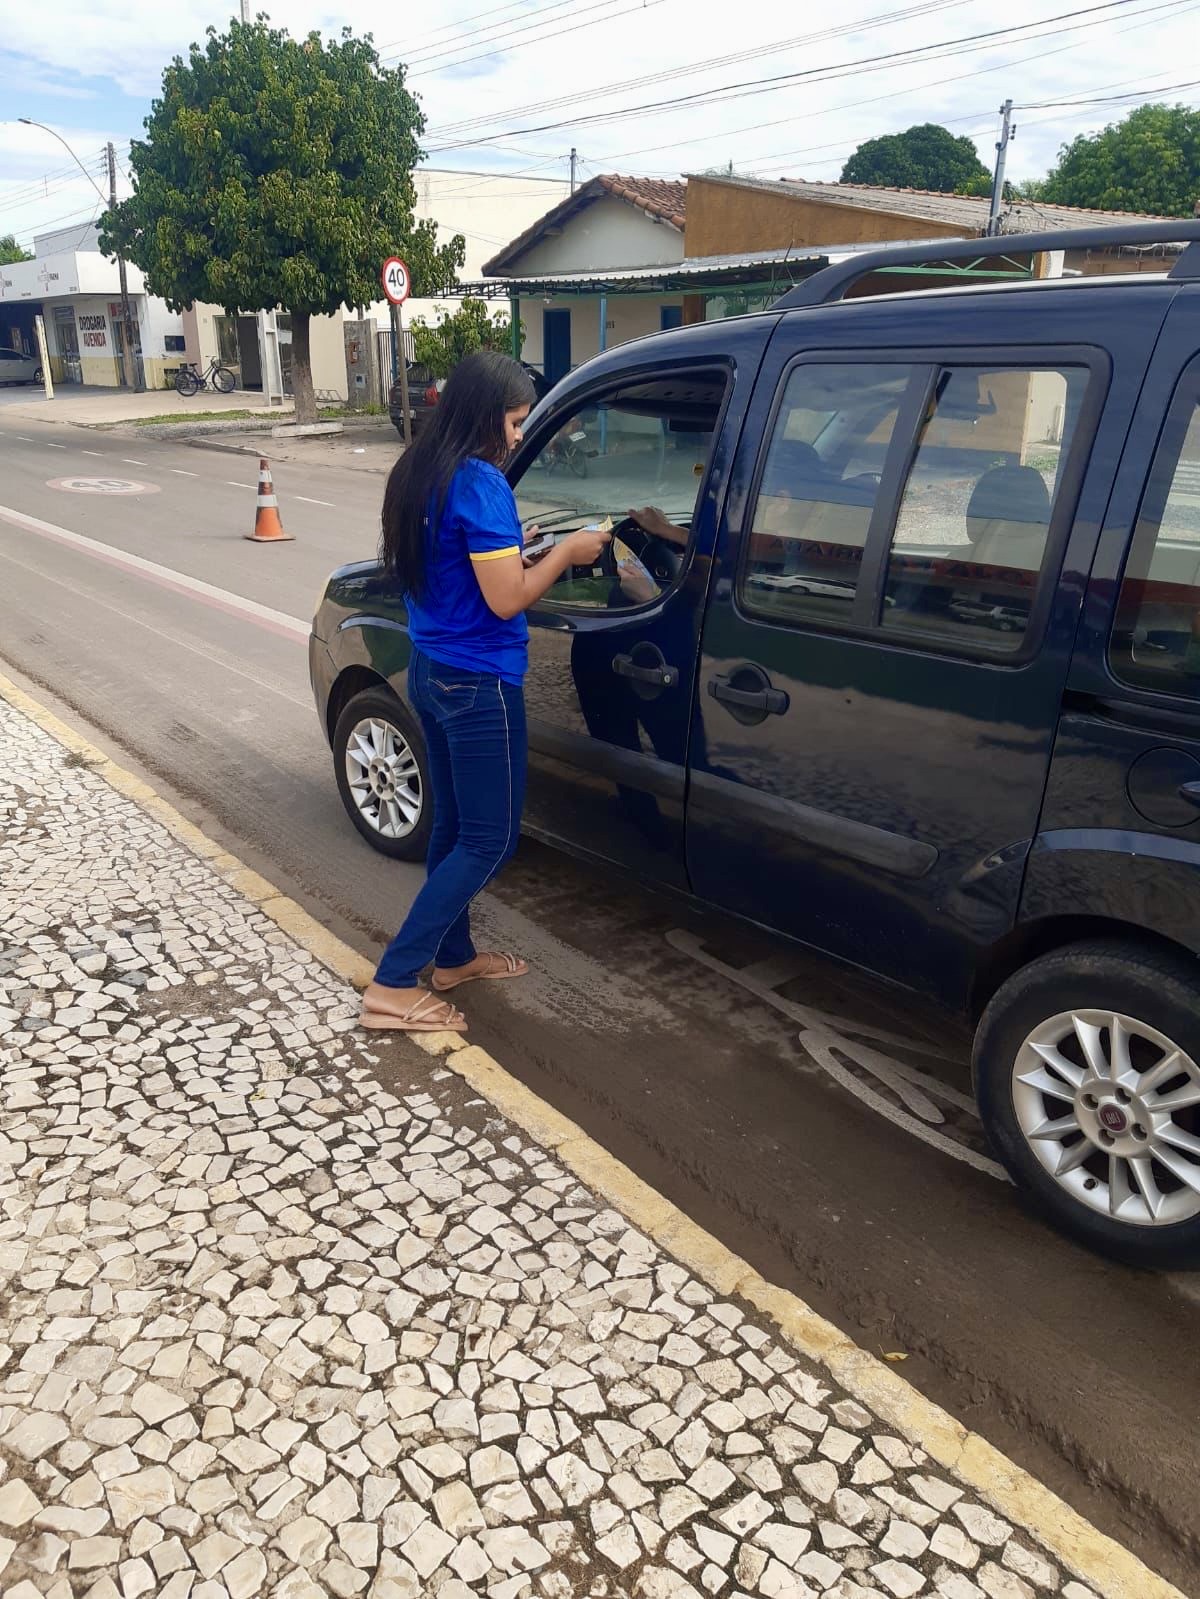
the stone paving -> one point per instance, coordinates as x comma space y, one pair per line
269, 1329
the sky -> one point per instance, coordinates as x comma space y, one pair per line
656, 87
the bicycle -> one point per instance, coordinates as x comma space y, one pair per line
190, 380
567, 448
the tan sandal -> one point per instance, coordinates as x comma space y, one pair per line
426, 1015
510, 966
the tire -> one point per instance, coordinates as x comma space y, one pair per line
223, 380
578, 462
186, 384
38, 376
400, 749
1042, 1063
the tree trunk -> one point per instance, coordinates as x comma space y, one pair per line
302, 383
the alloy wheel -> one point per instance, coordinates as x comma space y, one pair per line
1110, 1107
384, 777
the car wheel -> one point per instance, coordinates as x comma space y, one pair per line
383, 775
38, 375
1087, 1074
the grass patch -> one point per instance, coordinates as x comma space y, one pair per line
202, 416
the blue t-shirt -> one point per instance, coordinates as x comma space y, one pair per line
452, 622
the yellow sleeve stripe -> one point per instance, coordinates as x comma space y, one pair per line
495, 555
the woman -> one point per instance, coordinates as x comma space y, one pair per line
452, 540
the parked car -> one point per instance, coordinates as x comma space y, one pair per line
18, 368
423, 392
905, 667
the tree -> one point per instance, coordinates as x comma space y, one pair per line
278, 173
923, 157
1149, 162
11, 251
470, 328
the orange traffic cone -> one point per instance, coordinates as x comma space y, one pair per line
268, 529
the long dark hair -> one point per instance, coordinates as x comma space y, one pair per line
468, 420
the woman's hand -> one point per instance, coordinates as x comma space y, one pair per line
583, 548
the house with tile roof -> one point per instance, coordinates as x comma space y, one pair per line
611, 224
623, 257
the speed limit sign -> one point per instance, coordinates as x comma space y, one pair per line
397, 284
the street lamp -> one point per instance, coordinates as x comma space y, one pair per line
111, 201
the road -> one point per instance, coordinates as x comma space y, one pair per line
745, 1081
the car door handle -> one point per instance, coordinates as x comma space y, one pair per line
773, 701
661, 676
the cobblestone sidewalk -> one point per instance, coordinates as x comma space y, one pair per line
266, 1329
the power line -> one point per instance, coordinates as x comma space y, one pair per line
939, 50
774, 156
448, 47
398, 46
572, 27
712, 63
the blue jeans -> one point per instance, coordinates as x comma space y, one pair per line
474, 728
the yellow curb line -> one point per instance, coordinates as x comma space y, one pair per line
1087, 1553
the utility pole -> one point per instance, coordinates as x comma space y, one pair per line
1008, 133
245, 10
131, 340
574, 158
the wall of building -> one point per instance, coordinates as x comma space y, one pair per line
630, 316
725, 217
607, 235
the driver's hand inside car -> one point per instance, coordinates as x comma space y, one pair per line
637, 587
651, 520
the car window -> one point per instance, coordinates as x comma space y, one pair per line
973, 527
1156, 637
10, 355
642, 449
818, 488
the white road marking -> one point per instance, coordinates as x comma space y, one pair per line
229, 483
179, 472
830, 1040
96, 453
307, 501
181, 582
22, 438
129, 461
172, 638
50, 446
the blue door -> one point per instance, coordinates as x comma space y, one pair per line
670, 316
556, 344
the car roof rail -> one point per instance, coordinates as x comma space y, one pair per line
959, 255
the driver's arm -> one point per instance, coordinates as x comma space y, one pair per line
651, 520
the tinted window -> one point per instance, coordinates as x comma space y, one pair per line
643, 449
1156, 640
974, 522
818, 489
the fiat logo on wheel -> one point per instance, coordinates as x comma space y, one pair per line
1113, 1117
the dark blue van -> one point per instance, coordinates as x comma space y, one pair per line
897, 655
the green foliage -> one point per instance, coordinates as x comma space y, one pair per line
924, 157
11, 251
278, 172
470, 328
1149, 162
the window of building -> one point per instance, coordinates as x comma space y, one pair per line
818, 490
174, 343
972, 533
1156, 638
644, 450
